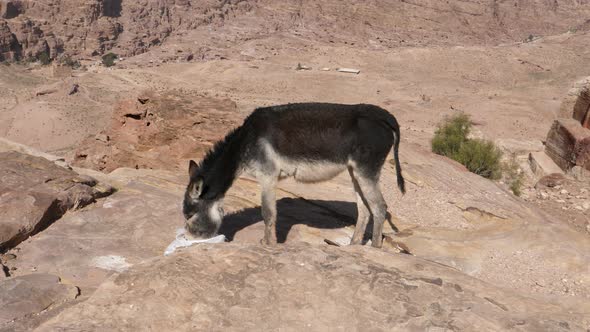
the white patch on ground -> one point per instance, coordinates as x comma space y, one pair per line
111, 262
108, 204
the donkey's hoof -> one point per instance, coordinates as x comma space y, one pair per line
267, 242
355, 242
377, 244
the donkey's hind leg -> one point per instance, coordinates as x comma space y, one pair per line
362, 211
372, 195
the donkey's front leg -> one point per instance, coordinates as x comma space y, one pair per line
269, 213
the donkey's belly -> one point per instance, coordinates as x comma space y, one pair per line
314, 172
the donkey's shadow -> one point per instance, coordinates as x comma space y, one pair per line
293, 211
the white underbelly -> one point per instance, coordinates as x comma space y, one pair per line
316, 171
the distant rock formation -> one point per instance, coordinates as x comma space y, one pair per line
91, 27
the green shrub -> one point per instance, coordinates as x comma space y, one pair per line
514, 177
68, 61
479, 156
44, 58
108, 60
451, 135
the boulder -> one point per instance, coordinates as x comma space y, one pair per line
518, 148
541, 164
35, 192
31, 294
568, 144
576, 105
301, 287
551, 180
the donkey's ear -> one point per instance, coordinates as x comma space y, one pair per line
192, 169
196, 189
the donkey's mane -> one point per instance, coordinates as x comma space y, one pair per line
220, 166
217, 150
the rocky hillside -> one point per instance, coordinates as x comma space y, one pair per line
92, 27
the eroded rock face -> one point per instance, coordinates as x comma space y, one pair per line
568, 144
576, 105
132, 27
30, 294
159, 131
9, 46
568, 140
301, 287
35, 192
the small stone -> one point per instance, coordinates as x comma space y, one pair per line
563, 192
560, 201
8, 257
577, 207
103, 138
586, 205
544, 195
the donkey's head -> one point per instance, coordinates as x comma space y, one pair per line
203, 216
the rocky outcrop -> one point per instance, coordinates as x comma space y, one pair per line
160, 131
135, 223
576, 104
448, 216
568, 140
10, 49
92, 27
568, 144
300, 287
35, 192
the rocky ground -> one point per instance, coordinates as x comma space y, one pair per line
93, 167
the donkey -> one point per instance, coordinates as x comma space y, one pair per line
310, 142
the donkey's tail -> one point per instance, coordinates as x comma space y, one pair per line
392, 123
401, 183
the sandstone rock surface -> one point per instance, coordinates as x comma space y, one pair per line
568, 144
541, 164
478, 230
135, 223
30, 294
301, 287
35, 192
